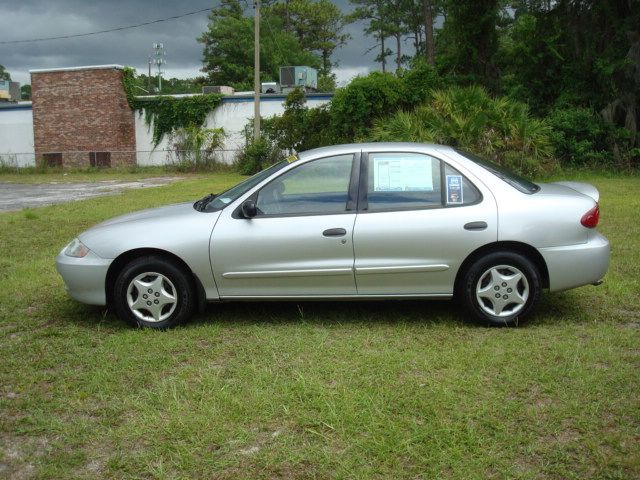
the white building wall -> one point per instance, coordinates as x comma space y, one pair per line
147, 153
16, 137
232, 115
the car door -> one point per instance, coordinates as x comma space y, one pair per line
300, 242
418, 219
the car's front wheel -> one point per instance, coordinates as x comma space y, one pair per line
154, 292
500, 288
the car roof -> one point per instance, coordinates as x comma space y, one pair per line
371, 146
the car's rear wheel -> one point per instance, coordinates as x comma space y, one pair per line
500, 288
154, 292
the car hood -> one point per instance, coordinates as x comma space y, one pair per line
569, 188
174, 228
167, 211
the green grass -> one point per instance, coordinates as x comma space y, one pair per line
92, 174
314, 390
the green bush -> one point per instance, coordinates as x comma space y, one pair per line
257, 155
467, 117
420, 82
355, 107
350, 115
195, 149
582, 137
299, 128
286, 130
326, 82
318, 129
632, 158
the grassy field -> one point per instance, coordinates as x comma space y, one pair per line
314, 390
58, 175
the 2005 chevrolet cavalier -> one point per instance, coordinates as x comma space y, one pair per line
364, 221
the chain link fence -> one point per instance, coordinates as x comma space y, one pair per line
173, 158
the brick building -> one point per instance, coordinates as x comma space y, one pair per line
81, 117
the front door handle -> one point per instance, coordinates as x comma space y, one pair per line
334, 232
476, 226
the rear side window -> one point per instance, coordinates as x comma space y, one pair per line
403, 180
399, 181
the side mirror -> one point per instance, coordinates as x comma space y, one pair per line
249, 209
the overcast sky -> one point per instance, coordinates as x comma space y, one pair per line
28, 19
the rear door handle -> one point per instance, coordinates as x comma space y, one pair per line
475, 226
334, 232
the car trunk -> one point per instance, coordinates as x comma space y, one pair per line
569, 188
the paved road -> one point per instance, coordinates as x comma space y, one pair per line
16, 196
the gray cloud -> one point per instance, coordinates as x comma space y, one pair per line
26, 19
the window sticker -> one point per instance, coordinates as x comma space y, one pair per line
395, 173
454, 189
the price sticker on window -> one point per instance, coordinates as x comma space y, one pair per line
454, 189
402, 173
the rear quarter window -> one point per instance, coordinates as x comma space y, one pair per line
458, 189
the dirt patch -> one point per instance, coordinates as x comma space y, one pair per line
529, 466
261, 441
19, 454
17, 196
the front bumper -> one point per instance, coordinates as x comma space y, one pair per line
84, 277
572, 266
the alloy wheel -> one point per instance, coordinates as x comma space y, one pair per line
152, 297
502, 291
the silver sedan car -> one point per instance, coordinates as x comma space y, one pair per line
361, 221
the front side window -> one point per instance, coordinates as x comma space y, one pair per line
403, 180
317, 187
241, 188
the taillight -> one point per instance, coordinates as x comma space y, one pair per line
590, 219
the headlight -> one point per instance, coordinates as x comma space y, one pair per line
76, 249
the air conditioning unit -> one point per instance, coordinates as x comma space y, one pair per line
222, 89
9, 91
270, 87
303, 77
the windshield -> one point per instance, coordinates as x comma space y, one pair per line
513, 179
228, 196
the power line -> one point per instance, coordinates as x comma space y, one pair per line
117, 29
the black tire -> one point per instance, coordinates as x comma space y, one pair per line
166, 279
509, 295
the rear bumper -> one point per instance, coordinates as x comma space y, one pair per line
85, 277
576, 265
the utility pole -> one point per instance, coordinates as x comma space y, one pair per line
159, 60
149, 76
256, 73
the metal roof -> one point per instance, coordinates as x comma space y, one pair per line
74, 69
15, 105
243, 97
